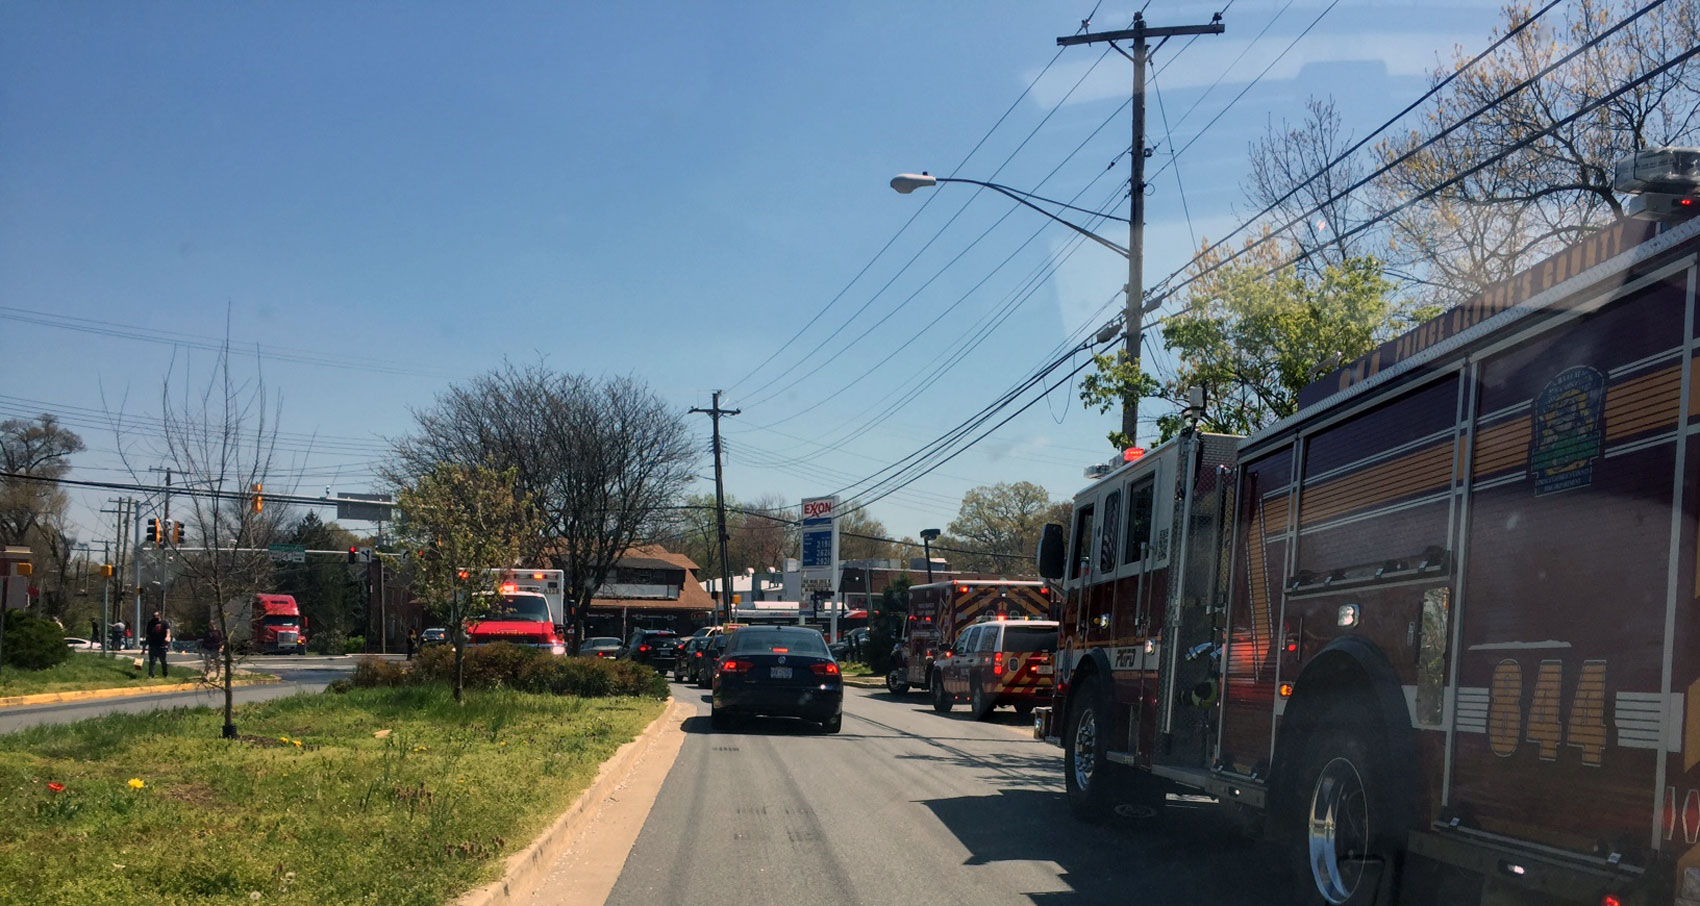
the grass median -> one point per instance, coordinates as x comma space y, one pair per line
91, 671
379, 795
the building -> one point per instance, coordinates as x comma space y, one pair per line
651, 587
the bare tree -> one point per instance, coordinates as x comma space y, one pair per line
1543, 156
1283, 163
220, 437
600, 460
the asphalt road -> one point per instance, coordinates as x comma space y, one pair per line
908, 806
298, 674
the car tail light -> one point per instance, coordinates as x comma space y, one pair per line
643, 647
733, 665
826, 669
997, 664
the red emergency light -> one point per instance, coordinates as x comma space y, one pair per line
509, 588
536, 575
1132, 453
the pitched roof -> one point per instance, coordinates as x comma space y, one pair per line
657, 552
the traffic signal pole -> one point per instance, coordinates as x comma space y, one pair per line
1136, 307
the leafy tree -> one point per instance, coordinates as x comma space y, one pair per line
1526, 203
1252, 339
862, 537
468, 521
885, 625
599, 460
1000, 519
328, 595
33, 510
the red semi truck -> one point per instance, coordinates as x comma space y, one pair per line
278, 627
1438, 632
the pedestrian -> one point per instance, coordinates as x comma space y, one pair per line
412, 642
158, 634
211, 644
94, 632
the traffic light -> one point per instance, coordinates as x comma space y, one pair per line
177, 533
353, 554
259, 502
156, 532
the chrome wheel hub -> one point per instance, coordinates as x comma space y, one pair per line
1085, 748
1338, 833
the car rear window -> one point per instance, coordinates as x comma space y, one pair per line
760, 641
1029, 639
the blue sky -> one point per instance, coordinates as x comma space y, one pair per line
388, 197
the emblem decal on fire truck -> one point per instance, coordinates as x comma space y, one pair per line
1568, 430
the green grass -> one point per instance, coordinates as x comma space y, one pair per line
86, 670
854, 668
417, 816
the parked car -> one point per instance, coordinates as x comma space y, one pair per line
852, 647
690, 654
81, 644
658, 648
434, 636
712, 652
998, 662
602, 646
781, 671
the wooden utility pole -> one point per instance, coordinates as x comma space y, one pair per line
720, 509
1136, 308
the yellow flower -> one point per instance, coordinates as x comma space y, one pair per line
136, 783
283, 739
297, 743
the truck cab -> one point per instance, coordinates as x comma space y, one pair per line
277, 626
518, 618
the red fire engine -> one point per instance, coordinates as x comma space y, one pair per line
1438, 631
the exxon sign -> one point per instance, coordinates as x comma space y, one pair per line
819, 508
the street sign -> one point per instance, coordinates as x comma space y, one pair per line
820, 546
288, 553
365, 507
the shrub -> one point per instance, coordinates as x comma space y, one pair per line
503, 666
33, 643
354, 644
371, 671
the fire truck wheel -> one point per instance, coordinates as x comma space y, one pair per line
1345, 835
1086, 772
895, 683
978, 704
941, 699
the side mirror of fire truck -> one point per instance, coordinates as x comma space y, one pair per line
1052, 550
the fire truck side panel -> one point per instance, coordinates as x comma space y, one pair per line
1677, 828
1259, 569
1561, 691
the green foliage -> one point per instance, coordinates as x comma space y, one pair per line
33, 643
328, 593
354, 644
886, 624
516, 667
1253, 334
1004, 522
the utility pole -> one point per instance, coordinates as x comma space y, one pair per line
1136, 307
720, 509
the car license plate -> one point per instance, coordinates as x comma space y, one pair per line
1043, 669
780, 673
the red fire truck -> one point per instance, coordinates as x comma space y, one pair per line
1438, 631
940, 610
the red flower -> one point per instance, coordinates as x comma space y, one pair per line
56, 787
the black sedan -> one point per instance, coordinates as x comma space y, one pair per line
690, 655
778, 670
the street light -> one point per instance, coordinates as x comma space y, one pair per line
927, 536
905, 183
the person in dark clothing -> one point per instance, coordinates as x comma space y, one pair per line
412, 642
158, 635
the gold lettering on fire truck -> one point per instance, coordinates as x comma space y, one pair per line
1505, 708
1545, 725
1568, 430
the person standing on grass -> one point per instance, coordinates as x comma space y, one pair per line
158, 634
412, 642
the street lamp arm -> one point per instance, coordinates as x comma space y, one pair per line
907, 183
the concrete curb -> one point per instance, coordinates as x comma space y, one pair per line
865, 682
77, 695
527, 868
